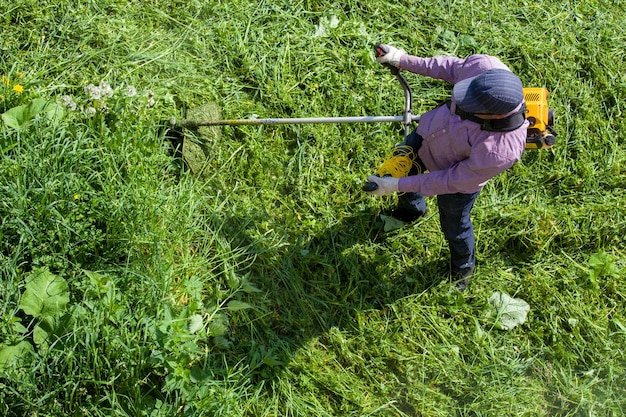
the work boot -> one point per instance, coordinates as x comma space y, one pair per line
411, 206
460, 279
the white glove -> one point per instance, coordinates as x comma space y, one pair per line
386, 185
391, 57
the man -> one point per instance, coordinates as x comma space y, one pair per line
479, 133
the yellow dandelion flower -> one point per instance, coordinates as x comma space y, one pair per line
20, 75
76, 196
18, 88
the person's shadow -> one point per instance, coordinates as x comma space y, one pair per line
316, 283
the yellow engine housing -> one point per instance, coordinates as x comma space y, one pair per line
540, 134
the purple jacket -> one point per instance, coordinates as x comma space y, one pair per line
460, 157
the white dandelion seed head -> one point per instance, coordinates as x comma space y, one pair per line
68, 102
94, 92
131, 91
150, 102
91, 111
105, 89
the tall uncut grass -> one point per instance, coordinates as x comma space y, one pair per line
263, 284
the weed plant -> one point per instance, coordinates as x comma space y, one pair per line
265, 285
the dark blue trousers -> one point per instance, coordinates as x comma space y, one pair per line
454, 218
456, 225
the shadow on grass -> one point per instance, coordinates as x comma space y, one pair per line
323, 282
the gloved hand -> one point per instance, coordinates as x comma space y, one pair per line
392, 57
386, 185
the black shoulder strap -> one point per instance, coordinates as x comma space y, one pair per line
507, 124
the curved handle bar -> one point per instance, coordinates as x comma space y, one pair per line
381, 50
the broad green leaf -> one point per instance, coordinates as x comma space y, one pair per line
602, 265
15, 117
101, 282
53, 111
35, 107
18, 326
233, 280
191, 348
195, 323
20, 117
249, 288
325, 24
391, 223
511, 311
218, 326
43, 330
46, 294
51, 329
11, 354
222, 343
235, 305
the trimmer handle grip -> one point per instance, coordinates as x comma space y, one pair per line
380, 50
369, 186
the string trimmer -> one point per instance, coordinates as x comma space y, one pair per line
407, 117
541, 134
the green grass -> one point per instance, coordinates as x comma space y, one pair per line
265, 286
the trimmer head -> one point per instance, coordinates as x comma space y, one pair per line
192, 143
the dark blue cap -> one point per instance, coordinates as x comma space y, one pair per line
496, 91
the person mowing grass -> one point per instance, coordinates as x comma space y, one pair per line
457, 147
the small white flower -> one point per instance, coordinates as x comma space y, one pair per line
93, 91
131, 91
105, 89
68, 102
150, 102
